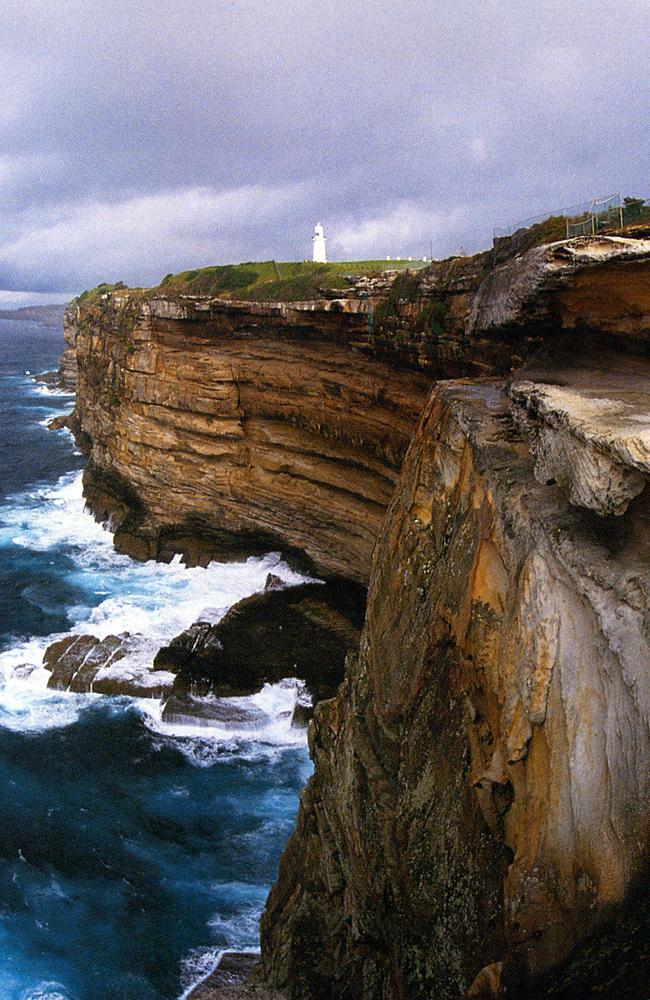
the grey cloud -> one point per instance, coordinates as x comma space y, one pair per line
394, 124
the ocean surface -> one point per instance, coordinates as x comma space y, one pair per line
131, 853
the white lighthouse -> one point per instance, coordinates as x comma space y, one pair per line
318, 244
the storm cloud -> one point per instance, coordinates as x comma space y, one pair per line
142, 139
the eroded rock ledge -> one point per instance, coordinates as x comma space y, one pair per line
248, 426
590, 417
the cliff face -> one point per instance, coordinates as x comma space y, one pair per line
212, 423
67, 373
254, 422
480, 801
481, 783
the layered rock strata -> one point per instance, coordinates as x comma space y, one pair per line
214, 426
481, 796
205, 426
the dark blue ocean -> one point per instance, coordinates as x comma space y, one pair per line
130, 853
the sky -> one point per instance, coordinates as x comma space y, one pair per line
144, 138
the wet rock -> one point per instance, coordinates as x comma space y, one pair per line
24, 670
237, 977
303, 713
59, 423
186, 709
302, 631
274, 582
117, 665
65, 657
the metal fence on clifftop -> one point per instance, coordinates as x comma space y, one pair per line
586, 219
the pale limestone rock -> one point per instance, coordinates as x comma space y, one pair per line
591, 431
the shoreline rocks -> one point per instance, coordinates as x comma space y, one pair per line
115, 665
236, 977
304, 632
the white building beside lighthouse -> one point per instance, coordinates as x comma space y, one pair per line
318, 245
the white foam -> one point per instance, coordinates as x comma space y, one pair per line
47, 991
204, 745
42, 389
240, 930
26, 704
197, 966
155, 600
45, 422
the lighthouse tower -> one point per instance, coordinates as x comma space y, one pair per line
318, 244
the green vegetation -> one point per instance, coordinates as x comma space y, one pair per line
405, 288
551, 230
430, 319
270, 280
92, 295
633, 212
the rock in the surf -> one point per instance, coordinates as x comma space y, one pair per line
304, 631
117, 665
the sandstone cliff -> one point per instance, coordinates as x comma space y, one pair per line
206, 421
481, 791
480, 801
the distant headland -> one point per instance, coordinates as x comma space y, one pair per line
49, 315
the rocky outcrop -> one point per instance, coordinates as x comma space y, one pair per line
237, 977
303, 631
67, 374
598, 284
117, 664
481, 796
480, 803
591, 425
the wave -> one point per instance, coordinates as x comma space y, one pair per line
47, 991
271, 731
112, 594
197, 966
43, 389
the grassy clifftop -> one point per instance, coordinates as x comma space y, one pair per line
269, 280
264, 281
